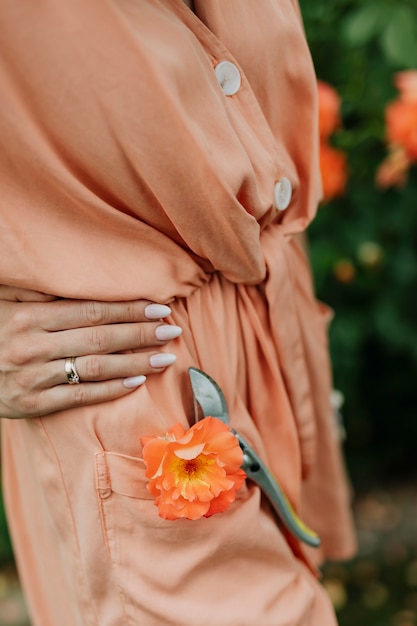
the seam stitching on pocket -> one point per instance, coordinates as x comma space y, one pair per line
103, 482
104, 491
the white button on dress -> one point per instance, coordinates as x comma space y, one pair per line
228, 76
282, 193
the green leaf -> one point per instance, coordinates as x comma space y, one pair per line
399, 39
366, 22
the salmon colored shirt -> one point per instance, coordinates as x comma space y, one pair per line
134, 165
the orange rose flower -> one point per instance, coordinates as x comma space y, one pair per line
329, 109
401, 132
406, 83
393, 171
194, 473
333, 168
401, 120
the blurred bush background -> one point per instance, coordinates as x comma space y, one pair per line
357, 47
363, 246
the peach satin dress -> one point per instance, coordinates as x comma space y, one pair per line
134, 165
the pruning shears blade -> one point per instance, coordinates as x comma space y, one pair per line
209, 396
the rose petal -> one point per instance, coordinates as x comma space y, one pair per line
189, 453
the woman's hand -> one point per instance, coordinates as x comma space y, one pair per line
115, 345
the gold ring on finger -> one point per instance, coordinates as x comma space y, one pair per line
71, 371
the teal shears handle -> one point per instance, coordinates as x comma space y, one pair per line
257, 471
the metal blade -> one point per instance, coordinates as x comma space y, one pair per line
208, 395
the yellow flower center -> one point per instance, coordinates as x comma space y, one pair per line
192, 469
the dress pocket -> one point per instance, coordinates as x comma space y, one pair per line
160, 565
120, 474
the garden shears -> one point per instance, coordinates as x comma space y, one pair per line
210, 398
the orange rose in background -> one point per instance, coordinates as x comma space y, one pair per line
333, 167
329, 109
333, 162
393, 171
406, 83
194, 473
401, 132
401, 120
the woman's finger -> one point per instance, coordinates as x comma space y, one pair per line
97, 368
69, 314
62, 397
109, 339
70, 396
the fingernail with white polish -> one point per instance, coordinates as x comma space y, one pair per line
167, 332
162, 359
134, 381
156, 311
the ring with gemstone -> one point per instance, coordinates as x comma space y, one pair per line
71, 371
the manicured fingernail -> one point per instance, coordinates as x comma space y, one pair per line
162, 359
156, 311
134, 381
167, 332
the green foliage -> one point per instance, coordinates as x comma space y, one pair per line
392, 24
357, 47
